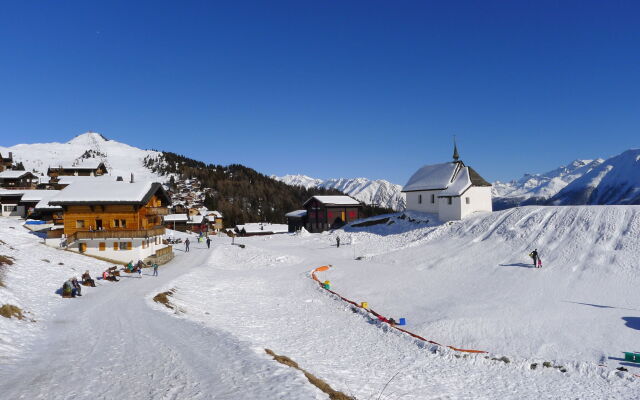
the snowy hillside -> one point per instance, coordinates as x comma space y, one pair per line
374, 192
120, 159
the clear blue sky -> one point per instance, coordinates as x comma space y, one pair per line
329, 88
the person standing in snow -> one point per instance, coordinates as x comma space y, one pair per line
337, 241
140, 271
534, 256
155, 269
208, 242
186, 245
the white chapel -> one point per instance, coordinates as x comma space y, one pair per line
451, 190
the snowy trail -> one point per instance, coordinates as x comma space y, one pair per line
109, 343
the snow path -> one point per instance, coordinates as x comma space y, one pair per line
109, 343
272, 302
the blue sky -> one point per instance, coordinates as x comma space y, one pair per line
329, 88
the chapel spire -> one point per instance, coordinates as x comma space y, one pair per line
456, 156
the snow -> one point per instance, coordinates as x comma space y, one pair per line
263, 227
336, 200
112, 191
38, 195
68, 180
176, 217
431, 177
296, 214
461, 183
11, 174
465, 284
83, 164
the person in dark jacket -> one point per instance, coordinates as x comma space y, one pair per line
337, 241
76, 286
186, 245
208, 242
534, 256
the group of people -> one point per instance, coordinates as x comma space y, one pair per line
201, 238
72, 288
537, 262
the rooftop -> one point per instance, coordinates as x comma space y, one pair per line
109, 192
335, 200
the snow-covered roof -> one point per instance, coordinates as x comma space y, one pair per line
109, 192
44, 205
16, 193
460, 183
37, 195
335, 200
87, 164
431, 177
196, 219
68, 180
175, 217
13, 174
263, 228
296, 214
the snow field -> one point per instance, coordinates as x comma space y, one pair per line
458, 284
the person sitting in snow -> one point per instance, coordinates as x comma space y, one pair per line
87, 280
67, 289
76, 286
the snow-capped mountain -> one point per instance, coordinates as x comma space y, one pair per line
614, 181
374, 192
119, 158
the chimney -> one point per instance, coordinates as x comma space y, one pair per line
10, 155
132, 178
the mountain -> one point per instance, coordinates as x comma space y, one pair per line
539, 188
373, 192
614, 181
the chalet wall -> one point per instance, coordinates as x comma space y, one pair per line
137, 252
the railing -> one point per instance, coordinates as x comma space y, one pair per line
157, 211
116, 234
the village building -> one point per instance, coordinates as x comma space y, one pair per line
30, 199
6, 163
330, 212
296, 220
18, 180
91, 167
120, 221
10, 203
214, 220
260, 229
177, 222
451, 190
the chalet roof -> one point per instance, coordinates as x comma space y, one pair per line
110, 192
176, 218
432, 177
13, 174
335, 200
84, 165
12, 193
476, 179
44, 205
196, 219
69, 179
38, 195
296, 214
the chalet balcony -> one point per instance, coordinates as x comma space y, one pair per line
157, 211
117, 234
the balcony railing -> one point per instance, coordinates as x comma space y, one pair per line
117, 234
157, 211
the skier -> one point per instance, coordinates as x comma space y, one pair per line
186, 245
208, 242
338, 241
155, 269
534, 256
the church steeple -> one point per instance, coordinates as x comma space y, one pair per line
456, 156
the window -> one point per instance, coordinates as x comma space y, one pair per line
433, 199
467, 200
119, 223
102, 246
419, 199
115, 246
80, 223
126, 246
449, 200
10, 208
82, 247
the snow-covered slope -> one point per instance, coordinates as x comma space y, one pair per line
374, 192
614, 181
120, 159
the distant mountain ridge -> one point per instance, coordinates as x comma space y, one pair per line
373, 192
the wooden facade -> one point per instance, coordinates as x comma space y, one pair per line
79, 170
6, 162
323, 216
25, 180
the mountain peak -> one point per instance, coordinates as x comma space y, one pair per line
88, 137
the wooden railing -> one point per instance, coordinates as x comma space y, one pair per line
117, 234
157, 211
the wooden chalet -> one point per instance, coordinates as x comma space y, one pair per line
330, 212
114, 220
10, 203
18, 180
86, 168
6, 162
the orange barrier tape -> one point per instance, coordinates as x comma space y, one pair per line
382, 318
